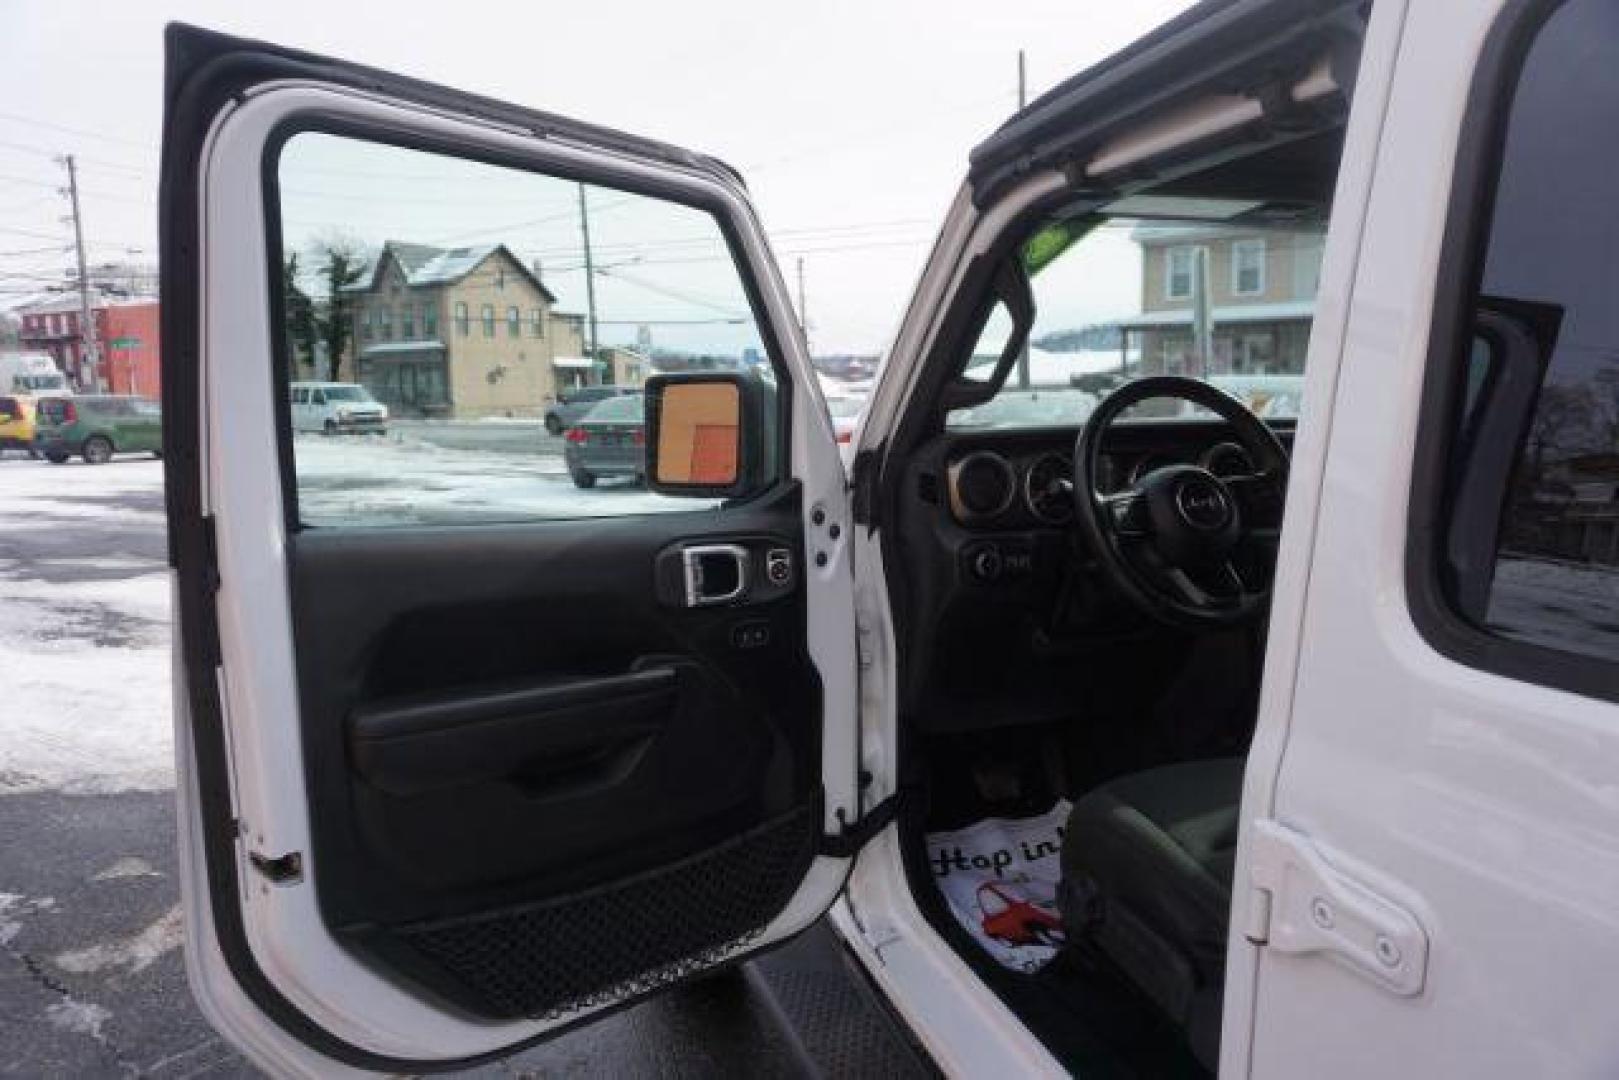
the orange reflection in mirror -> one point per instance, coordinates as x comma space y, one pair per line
697, 434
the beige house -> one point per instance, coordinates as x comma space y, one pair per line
1260, 286
462, 332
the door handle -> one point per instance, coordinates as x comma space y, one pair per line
1302, 904
714, 573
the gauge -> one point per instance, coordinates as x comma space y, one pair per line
1048, 489
982, 486
1227, 459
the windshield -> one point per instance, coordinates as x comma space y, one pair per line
1227, 297
38, 382
348, 393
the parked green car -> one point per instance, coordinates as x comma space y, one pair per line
97, 426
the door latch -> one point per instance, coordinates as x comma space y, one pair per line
1301, 905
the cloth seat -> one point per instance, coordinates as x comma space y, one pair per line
1147, 861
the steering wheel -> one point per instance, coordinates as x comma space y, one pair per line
1178, 541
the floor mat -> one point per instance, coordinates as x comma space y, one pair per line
999, 878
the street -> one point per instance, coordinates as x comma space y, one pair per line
91, 977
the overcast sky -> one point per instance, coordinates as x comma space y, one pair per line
850, 119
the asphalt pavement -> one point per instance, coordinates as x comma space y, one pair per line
91, 974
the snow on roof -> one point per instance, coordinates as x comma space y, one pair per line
423, 264
572, 362
1232, 313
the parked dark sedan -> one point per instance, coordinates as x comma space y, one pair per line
609, 441
572, 405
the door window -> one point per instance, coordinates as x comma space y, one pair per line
1532, 537
465, 442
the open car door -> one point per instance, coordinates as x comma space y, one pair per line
481, 731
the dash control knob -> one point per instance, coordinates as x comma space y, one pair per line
779, 566
986, 564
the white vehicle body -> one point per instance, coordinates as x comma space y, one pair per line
334, 408
1428, 844
31, 373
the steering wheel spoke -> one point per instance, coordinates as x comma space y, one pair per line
1260, 497
1127, 514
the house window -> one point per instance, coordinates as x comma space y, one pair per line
536, 322
407, 322
500, 278
461, 326
430, 320
488, 317
365, 319
386, 331
1248, 268
514, 322
1178, 273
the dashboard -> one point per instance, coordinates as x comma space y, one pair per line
1008, 620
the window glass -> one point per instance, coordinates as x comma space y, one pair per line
1118, 297
1545, 378
423, 429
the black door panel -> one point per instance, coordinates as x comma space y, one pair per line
506, 722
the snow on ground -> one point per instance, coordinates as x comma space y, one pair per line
84, 660
1561, 605
386, 482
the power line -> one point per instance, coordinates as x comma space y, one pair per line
35, 122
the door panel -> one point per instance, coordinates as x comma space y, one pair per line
498, 729
469, 764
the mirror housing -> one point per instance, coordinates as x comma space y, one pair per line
705, 434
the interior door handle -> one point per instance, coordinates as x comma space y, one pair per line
714, 573
1302, 904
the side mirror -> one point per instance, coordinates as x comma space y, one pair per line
705, 434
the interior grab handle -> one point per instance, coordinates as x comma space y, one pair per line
714, 573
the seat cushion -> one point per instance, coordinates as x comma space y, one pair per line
1147, 866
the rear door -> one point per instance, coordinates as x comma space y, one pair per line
469, 754
1430, 848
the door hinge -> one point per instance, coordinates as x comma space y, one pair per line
1301, 904
850, 838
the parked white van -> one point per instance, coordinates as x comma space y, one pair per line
335, 408
31, 373
1142, 741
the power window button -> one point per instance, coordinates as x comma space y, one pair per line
779, 566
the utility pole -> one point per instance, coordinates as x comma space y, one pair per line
803, 312
88, 338
590, 279
1022, 99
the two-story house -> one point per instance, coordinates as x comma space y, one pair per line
1256, 287
463, 332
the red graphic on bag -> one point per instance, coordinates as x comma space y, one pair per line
1009, 918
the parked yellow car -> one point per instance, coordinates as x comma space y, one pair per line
17, 423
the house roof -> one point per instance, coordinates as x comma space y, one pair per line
425, 265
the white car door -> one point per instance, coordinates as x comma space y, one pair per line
1430, 850
468, 755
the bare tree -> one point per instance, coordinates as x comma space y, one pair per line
341, 262
302, 332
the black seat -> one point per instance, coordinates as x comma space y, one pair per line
1147, 863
